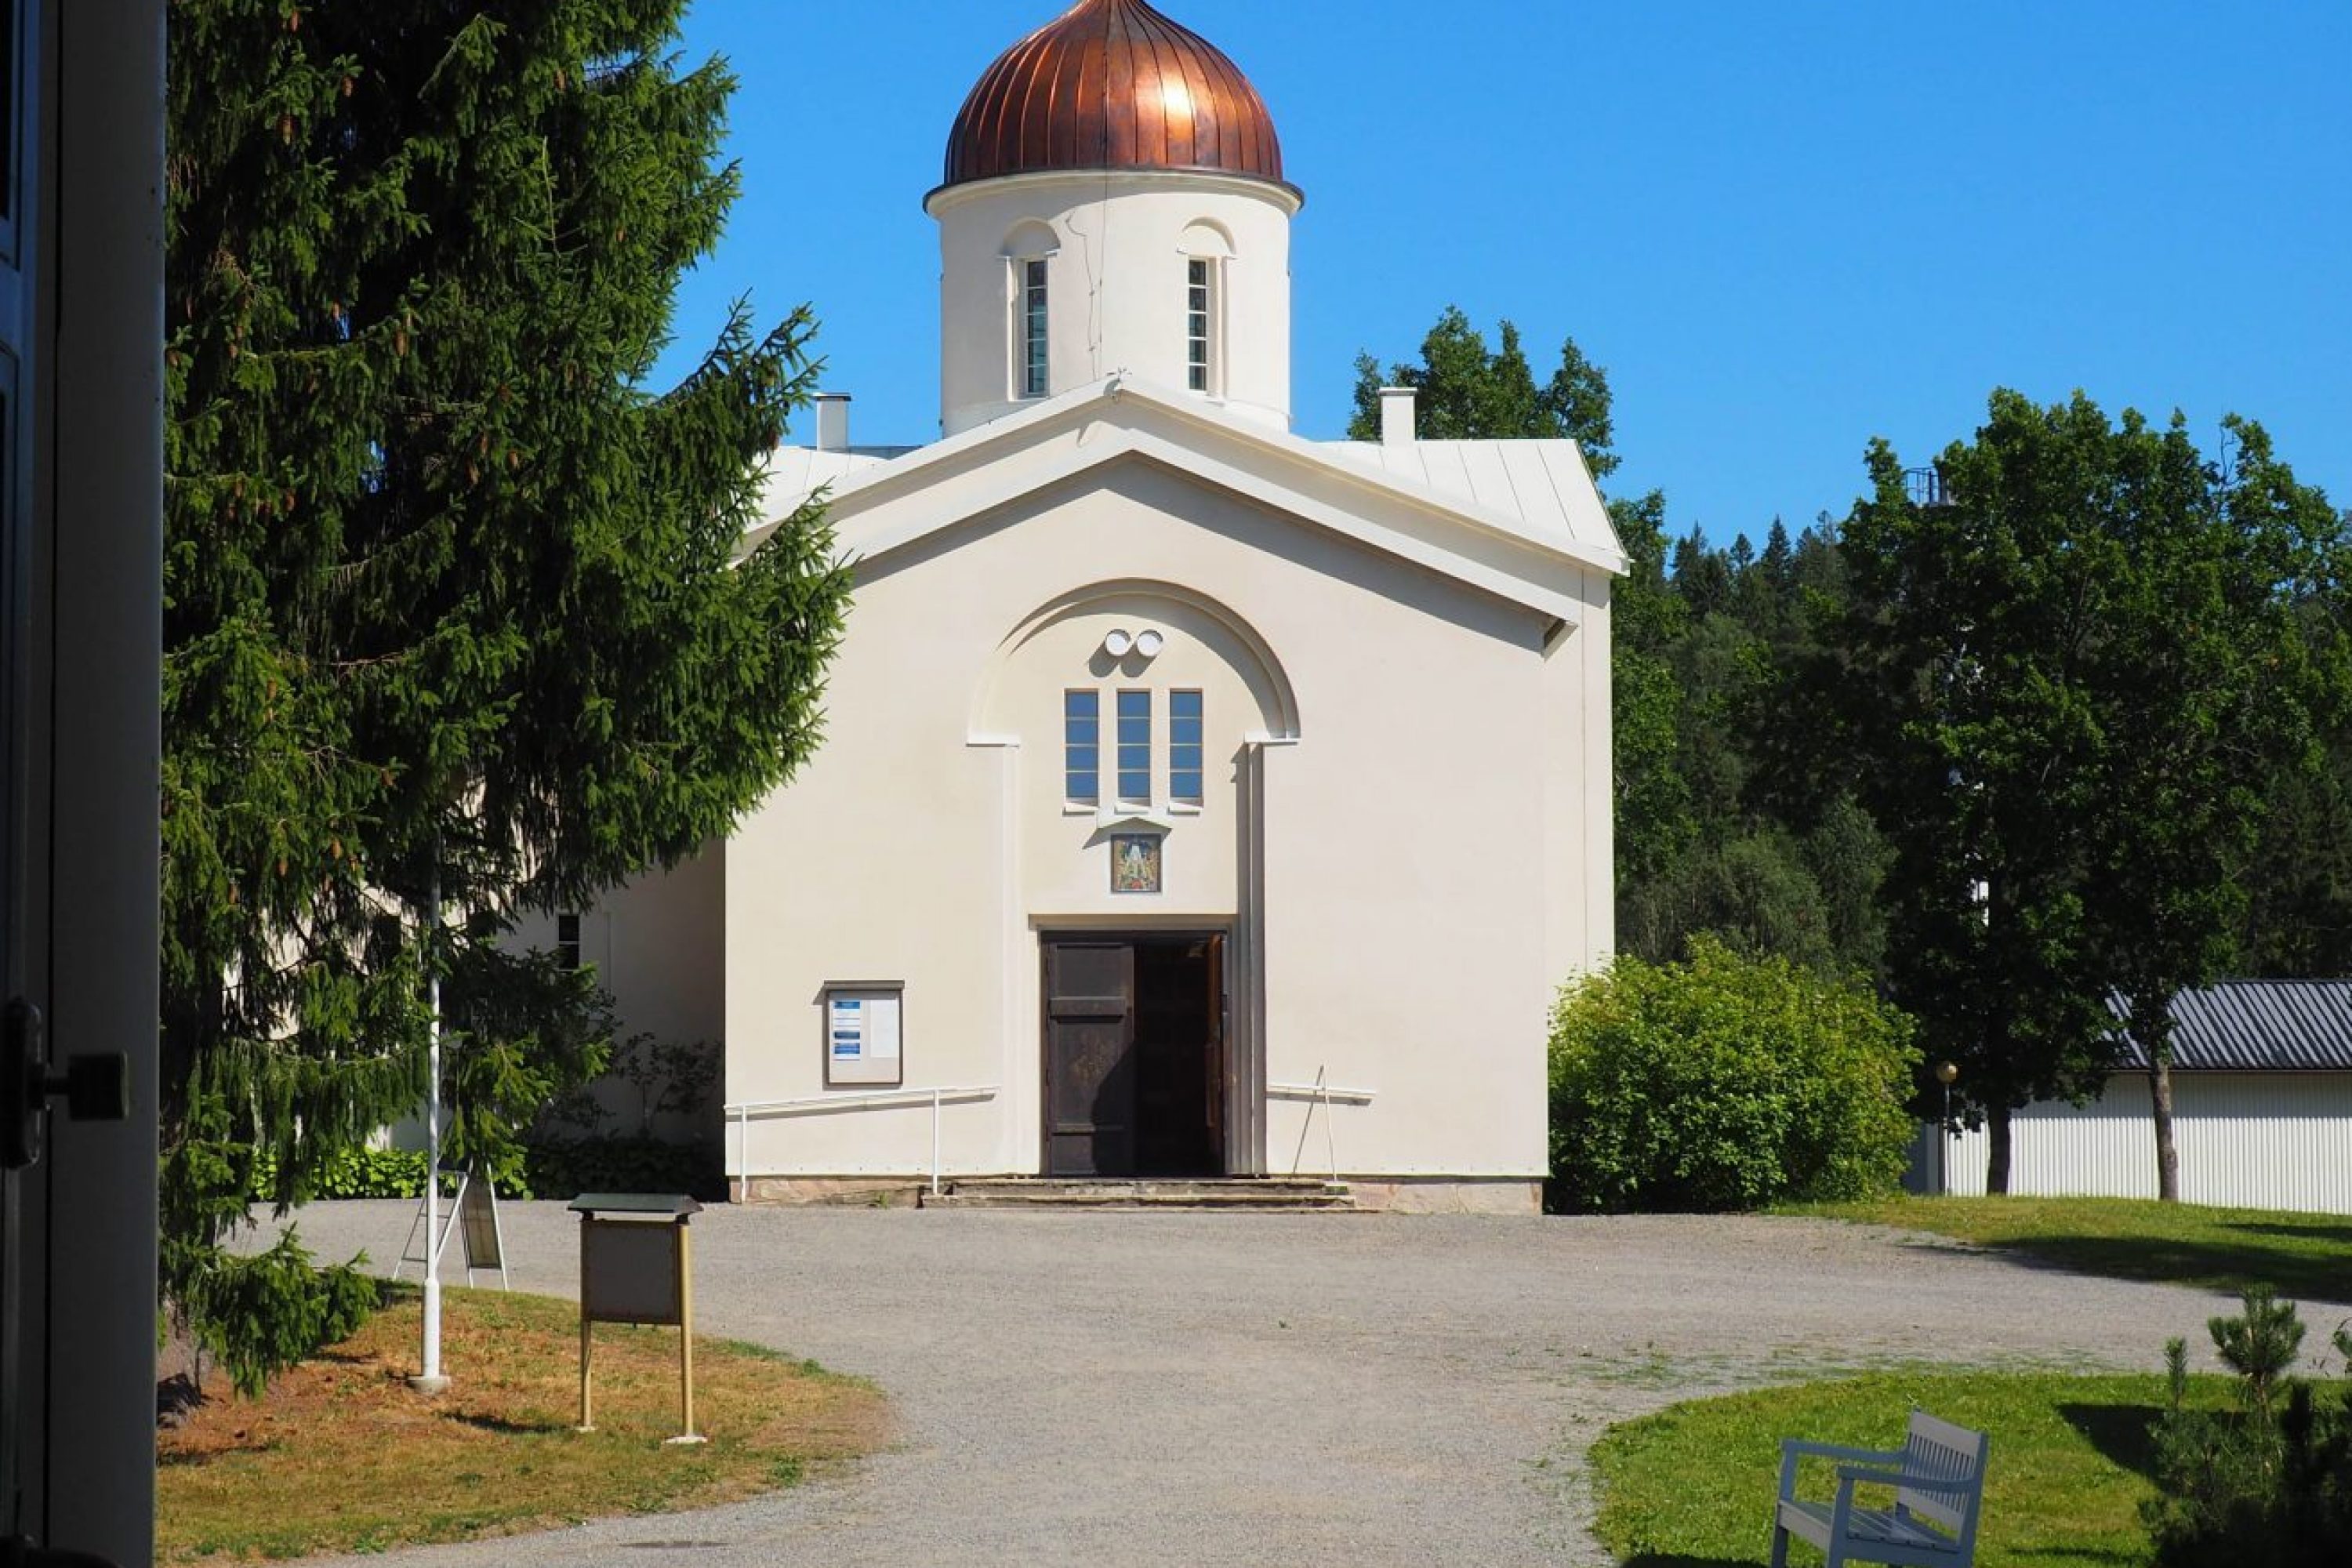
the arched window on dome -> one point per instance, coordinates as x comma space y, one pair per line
1207, 249
1029, 250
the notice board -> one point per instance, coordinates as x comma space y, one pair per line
630, 1272
864, 1035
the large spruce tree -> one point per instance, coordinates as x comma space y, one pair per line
455, 625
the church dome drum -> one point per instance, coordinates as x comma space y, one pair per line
1114, 206
1113, 84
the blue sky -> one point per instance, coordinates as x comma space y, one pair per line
1783, 227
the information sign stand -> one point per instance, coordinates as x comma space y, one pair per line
636, 1266
475, 1215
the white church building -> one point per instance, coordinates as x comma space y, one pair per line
1197, 800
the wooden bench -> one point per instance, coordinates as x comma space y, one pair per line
1939, 1481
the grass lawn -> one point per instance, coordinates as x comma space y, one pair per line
2308, 1256
339, 1456
1693, 1486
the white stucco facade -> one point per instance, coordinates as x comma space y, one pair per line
1343, 816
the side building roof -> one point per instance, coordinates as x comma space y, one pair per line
2256, 1025
1543, 484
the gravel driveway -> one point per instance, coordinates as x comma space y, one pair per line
1201, 1390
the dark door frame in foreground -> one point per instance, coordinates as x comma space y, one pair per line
85, 612
1106, 998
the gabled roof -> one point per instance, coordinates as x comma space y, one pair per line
2256, 1025
1519, 519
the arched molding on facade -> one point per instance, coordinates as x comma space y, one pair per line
1208, 240
1030, 240
1170, 607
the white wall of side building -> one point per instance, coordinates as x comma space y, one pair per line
659, 946
1404, 830
2265, 1141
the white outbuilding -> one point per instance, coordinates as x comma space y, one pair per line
2262, 1109
1175, 764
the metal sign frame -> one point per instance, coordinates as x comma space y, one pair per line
474, 1213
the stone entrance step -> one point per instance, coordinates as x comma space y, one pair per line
1277, 1194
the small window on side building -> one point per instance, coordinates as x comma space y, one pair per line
567, 940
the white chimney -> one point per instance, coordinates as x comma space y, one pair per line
1396, 416
833, 422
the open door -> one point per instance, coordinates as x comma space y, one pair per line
1137, 1074
1090, 1068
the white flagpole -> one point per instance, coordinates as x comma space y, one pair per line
430, 1381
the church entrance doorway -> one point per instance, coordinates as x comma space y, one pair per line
1138, 1069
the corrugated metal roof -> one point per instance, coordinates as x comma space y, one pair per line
2257, 1025
796, 473
1541, 484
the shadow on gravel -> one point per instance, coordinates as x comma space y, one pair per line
1677, 1560
2119, 1432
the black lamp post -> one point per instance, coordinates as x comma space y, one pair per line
1947, 1074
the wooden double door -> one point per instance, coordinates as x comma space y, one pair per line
1139, 1068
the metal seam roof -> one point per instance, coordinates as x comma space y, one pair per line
1113, 84
2256, 1025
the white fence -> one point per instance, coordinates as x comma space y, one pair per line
2264, 1140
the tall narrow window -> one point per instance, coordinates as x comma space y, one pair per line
1196, 325
1135, 748
1081, 747
567, 940
1033, 379
1184, 747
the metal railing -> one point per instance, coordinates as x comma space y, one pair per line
740, 1168
1328, 1094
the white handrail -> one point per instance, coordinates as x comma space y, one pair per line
818, 1105
1327, 1093
1332, 1092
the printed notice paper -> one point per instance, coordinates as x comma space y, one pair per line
862, 1038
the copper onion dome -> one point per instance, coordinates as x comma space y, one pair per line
1113, 84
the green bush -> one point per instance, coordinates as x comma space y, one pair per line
2268, 1484
367, 1173
542, 1166
361, 1172
566, 1167
1725, 1082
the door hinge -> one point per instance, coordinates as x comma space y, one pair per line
95, 1088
